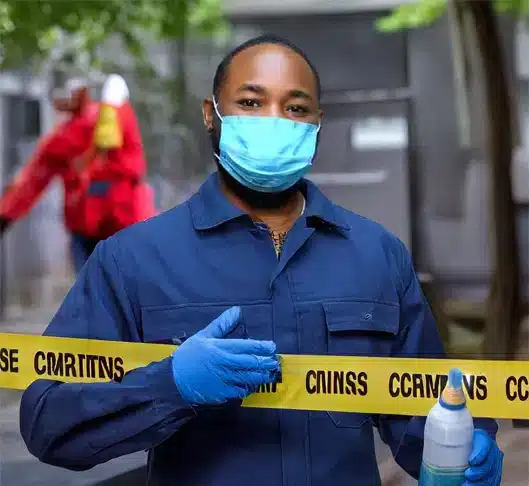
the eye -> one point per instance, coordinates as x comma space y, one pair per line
249, 103
298, 110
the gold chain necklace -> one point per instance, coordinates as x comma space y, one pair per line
279, 237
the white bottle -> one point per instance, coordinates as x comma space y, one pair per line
448, 437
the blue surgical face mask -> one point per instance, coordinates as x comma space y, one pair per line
266, 153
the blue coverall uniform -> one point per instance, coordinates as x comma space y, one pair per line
343, 285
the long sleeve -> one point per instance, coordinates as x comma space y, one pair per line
420, 338
29, 184
77, 426
54, 153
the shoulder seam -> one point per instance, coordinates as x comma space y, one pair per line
122, 277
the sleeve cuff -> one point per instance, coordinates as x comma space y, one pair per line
488, 425
165, 391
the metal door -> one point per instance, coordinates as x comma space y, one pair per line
362, 161
363, 155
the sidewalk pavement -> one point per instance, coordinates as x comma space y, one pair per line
31, 321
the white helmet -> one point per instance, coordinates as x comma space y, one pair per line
115, 91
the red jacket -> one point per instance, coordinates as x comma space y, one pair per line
102, 193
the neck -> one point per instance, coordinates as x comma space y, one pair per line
282, 217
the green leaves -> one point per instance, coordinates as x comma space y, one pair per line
33, 28
425, 12
412, 15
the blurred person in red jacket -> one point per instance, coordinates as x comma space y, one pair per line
98, 154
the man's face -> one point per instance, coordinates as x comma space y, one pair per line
264, 80
61, 105
69, 104
267, 80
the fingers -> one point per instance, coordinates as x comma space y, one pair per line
243, 384
485, 461
238, 392
246, 346
222, 325
481, 446
252, 379
249, 362
479, 473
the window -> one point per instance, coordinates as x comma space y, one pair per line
22, 123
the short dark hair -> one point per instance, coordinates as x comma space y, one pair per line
222, 68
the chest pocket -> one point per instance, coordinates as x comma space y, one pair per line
161, 324
361, 328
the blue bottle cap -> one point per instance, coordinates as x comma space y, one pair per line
453, 396
455, 379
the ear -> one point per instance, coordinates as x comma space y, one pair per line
320, 116
208, 113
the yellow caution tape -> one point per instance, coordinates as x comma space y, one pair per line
108, 134
398, 386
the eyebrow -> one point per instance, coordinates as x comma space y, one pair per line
297, 93
260, 90
253, 88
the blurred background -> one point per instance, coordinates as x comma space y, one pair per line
426, 131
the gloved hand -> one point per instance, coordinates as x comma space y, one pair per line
485, 461
210, 370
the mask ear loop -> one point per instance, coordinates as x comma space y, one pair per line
318, 129
216, 107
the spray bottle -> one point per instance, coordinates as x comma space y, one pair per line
448, 436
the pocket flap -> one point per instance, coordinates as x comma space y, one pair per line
160, 323
362, 316
163, 323
348, 420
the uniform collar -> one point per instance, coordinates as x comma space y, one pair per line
210, 208
321, 208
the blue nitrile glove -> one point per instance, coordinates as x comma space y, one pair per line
485, 461
210, 370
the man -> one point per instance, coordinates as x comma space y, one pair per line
98, 154
258, 262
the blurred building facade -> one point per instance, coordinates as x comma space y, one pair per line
389, 148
